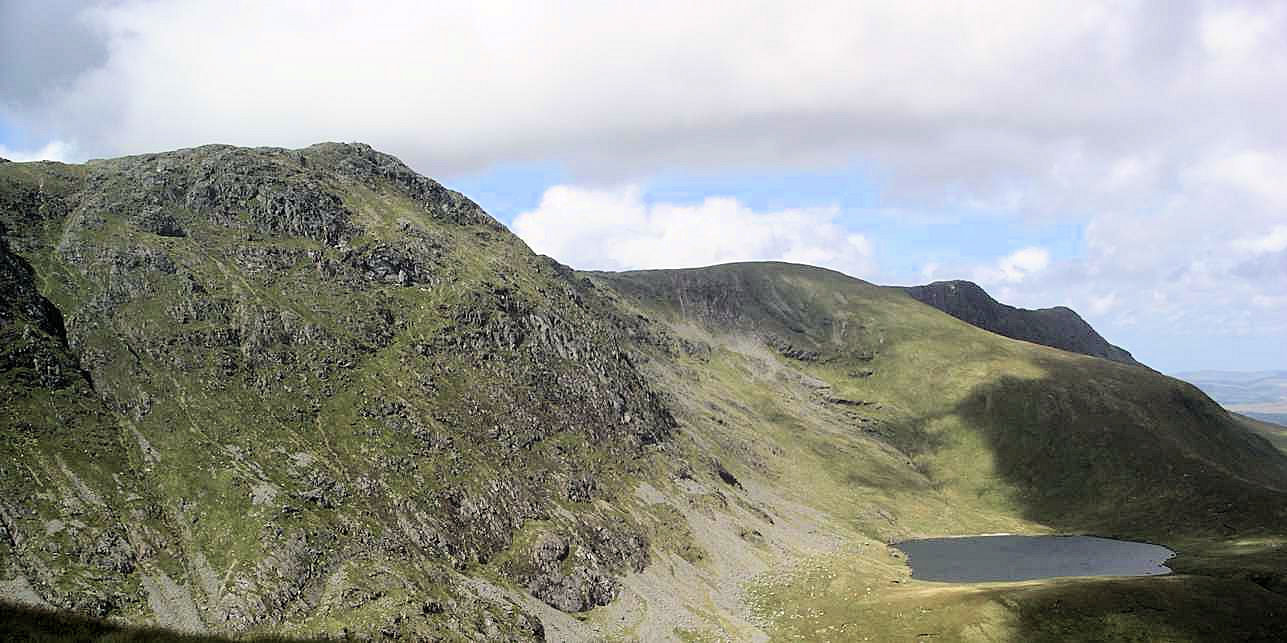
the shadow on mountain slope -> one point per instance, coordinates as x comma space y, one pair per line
1165, 608
22, 623
1130, 453
1171, 467
1080, 443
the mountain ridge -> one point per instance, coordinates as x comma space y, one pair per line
1058, 326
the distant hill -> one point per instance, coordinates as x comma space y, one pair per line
1058, 327
1259, 397
1274, 418
1255, 393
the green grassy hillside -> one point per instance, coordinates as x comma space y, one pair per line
1074, 442
901, 421
1275, 432
295, 393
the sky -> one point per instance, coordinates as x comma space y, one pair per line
1124, 158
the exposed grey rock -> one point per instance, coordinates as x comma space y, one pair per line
794, 352
310, 364
577, 572
172, 603
34, 339
572, 587
387, 263
581, 487
724, 475
362, 163
160, 222
19, 590
112, 552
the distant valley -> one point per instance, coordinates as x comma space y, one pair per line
1259, 394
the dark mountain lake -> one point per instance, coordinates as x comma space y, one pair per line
1010, 558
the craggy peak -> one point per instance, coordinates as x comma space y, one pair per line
1059, 327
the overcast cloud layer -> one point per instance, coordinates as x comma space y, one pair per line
1157, 127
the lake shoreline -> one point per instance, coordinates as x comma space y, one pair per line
1013, 557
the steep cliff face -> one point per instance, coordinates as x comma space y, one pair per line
310, 392
1057, 327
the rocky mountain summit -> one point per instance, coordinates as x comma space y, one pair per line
1058, 327
311, 393
302, 378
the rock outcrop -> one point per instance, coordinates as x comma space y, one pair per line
248, 387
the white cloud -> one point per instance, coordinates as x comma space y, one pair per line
53, 151
1274, 241
929, 270
1252, 172
1131, 171
1235, 31
1015, 267
1270, 301
1102, 304
616, 229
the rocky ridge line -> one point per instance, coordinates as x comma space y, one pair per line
1057, 327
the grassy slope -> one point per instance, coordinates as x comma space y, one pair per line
964, 432
1275, 433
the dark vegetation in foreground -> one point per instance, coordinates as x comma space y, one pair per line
25, 624
1152, 609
